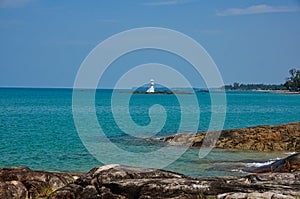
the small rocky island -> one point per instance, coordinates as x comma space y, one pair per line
123, 182
153, 90
161, 92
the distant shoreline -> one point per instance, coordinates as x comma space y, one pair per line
279, 91
266, 91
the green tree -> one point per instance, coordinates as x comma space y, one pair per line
236, 85
293, 82
292, 72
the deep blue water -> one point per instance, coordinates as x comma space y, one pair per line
37, 128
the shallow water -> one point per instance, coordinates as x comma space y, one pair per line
37, 129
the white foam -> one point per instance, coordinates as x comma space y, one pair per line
238, 170
290, 153
259, 164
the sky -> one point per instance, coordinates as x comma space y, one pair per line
44, 42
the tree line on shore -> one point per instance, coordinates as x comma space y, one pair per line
292, 84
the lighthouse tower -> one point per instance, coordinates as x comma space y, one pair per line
151, 89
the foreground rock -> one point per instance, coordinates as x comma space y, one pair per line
284, 137
22, 182
115, 181
122, 182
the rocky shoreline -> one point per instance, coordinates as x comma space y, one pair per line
285, 137
123, 182
280, 179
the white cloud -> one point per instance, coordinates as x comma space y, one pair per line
13, 3
258, 9
166, 3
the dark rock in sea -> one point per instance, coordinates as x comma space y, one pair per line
286, 165
122, 182
284, 137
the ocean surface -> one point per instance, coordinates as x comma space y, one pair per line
37, 129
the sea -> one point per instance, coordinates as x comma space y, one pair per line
37, 129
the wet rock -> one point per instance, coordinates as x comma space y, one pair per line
286, 165
284, 137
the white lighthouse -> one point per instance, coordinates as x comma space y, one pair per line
151, 89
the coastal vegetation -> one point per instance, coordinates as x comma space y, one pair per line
238, 86
293, 82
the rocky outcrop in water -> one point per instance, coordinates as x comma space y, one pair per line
122, 182
284, 137
286, 165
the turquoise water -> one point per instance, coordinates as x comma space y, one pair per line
37, 129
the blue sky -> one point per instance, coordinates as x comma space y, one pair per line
43, 42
